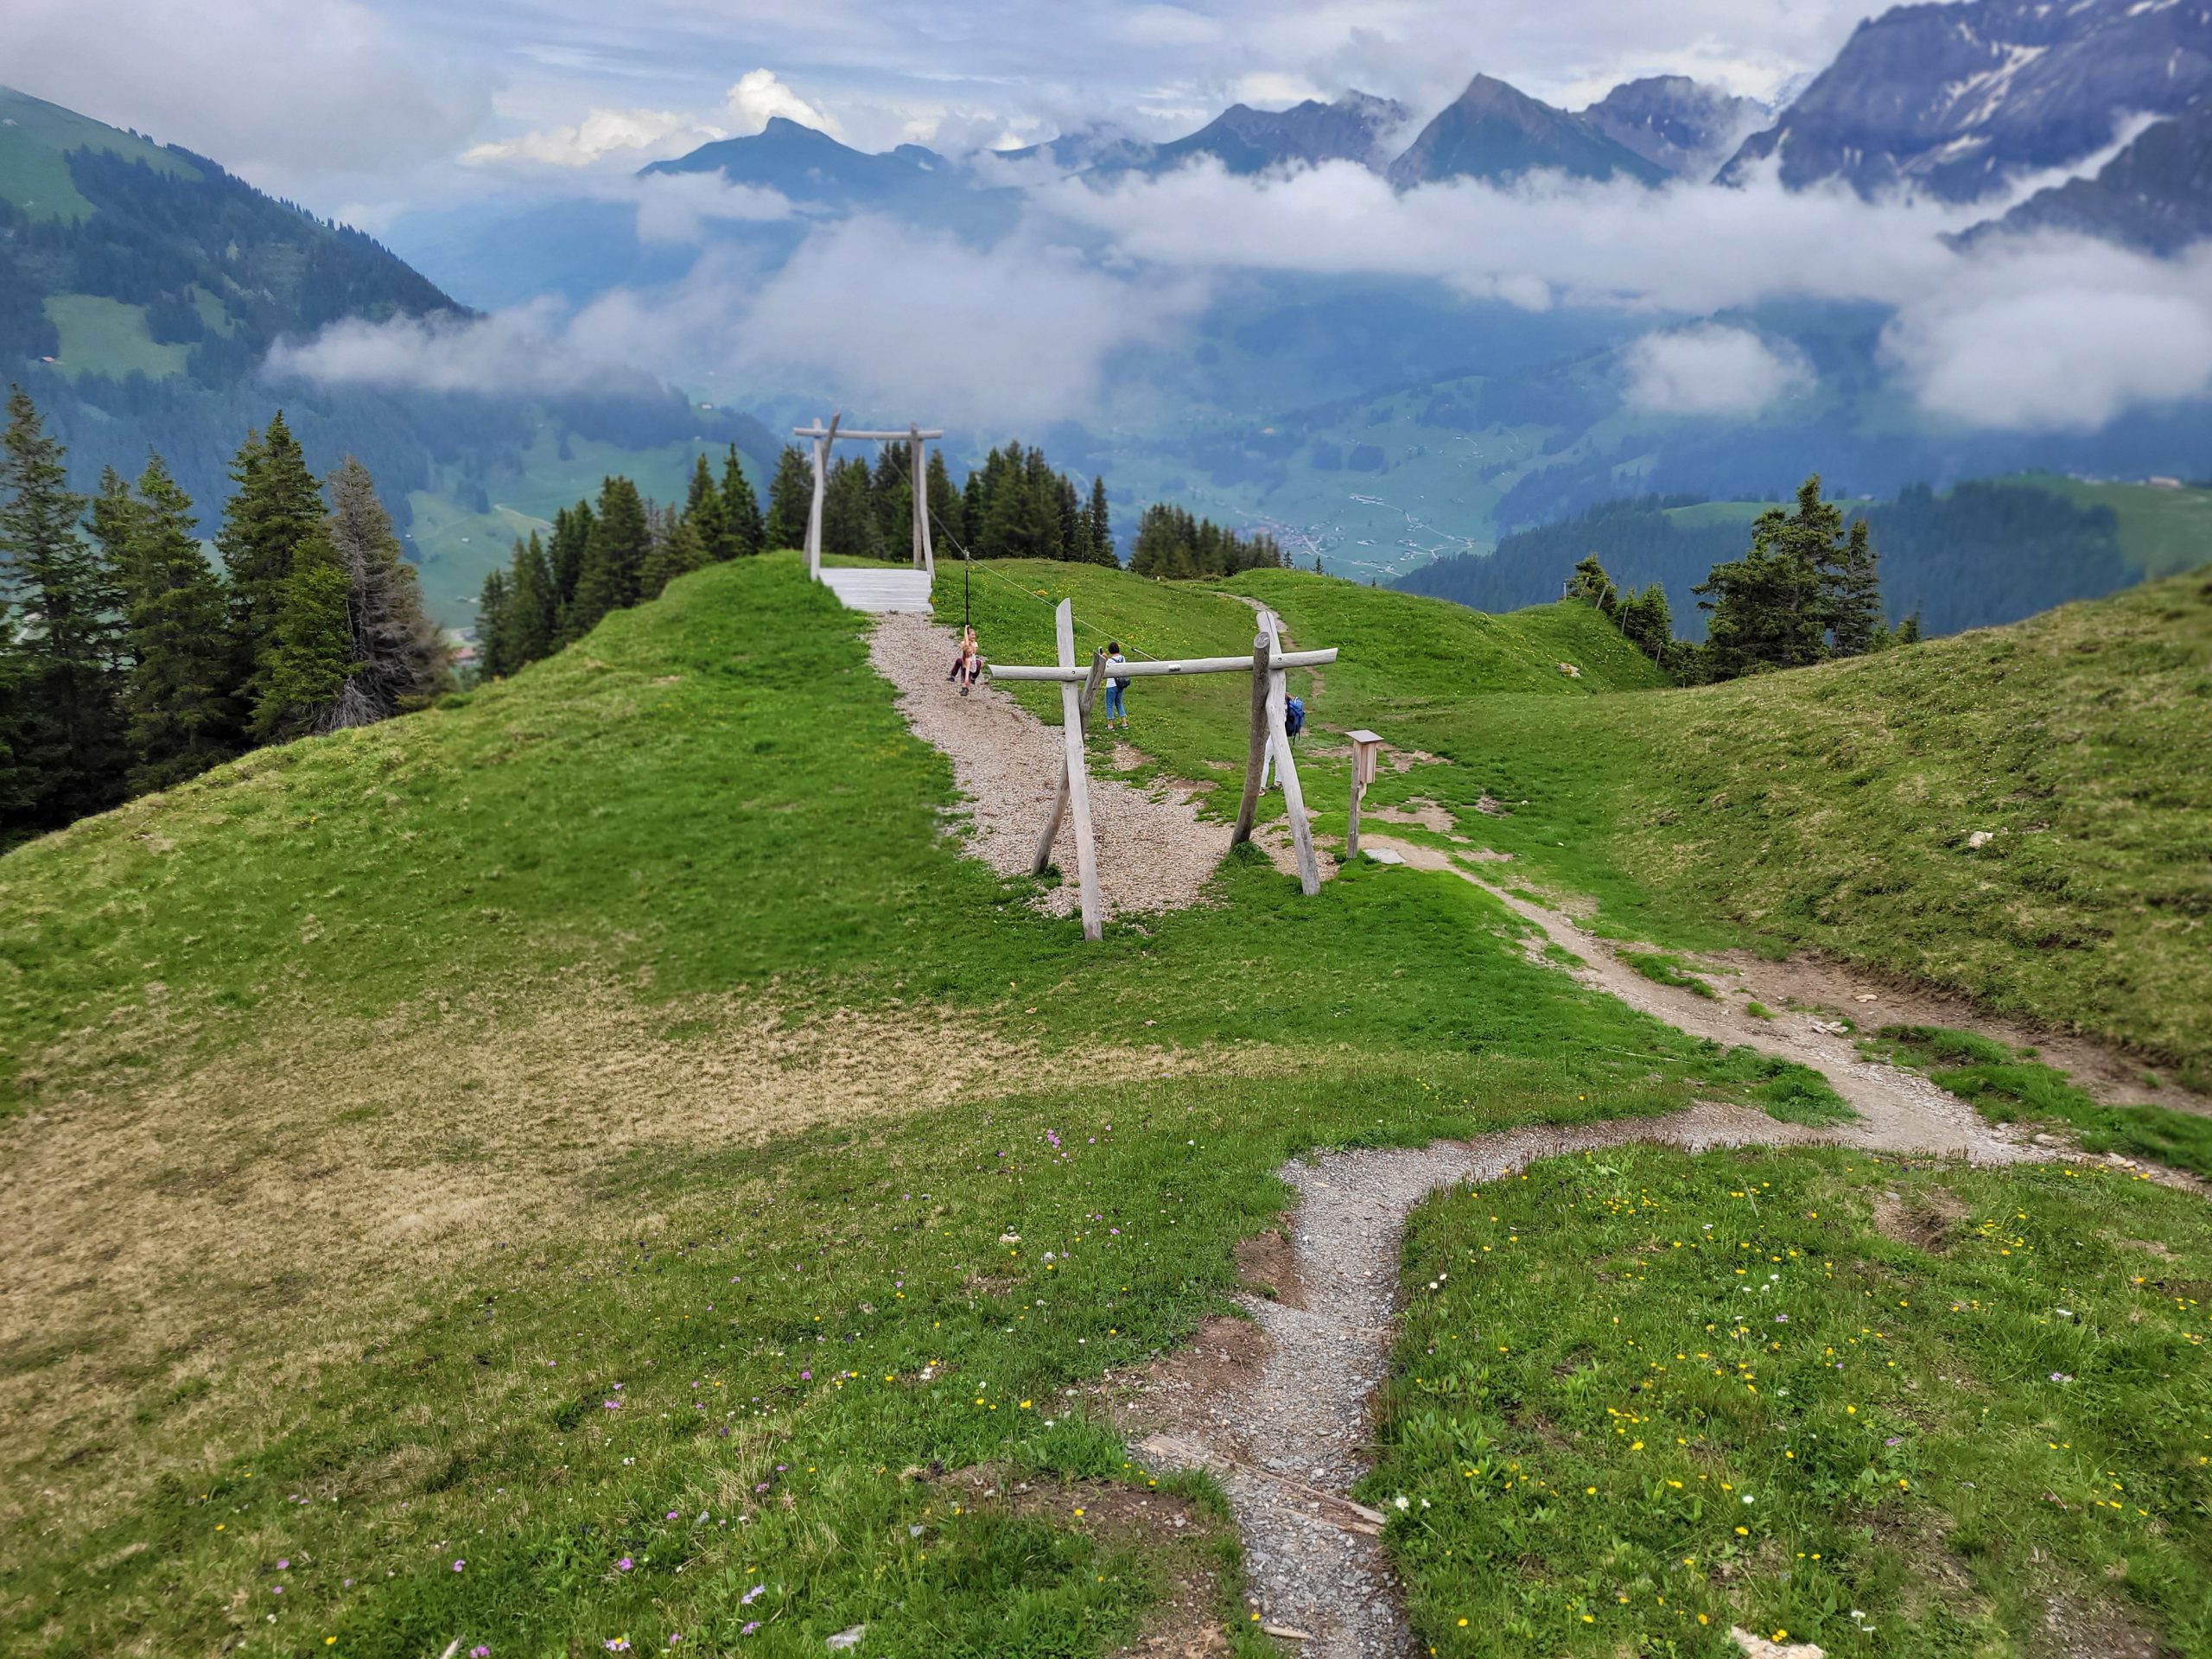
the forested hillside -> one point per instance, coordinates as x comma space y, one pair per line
141, 287
1984, 552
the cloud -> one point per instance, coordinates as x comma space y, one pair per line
1711, 368
636, 133
758, 96
279, 91
1016, 335
530, 351
2024, 333
2060, 335
677, 206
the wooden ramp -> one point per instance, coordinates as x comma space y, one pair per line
880, 590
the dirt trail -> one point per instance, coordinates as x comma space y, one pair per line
1155, 852
1278, 1409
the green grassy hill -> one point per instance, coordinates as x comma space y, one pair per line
2162, 531
392, 1101
559, 1169
1840, 807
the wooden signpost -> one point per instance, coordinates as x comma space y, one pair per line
1269, 666
1365, 746
917, 440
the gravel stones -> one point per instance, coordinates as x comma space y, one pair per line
1153, 852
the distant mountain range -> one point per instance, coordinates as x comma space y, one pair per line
1956, 101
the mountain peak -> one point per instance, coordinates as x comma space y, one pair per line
1683, 125
1954, 101
1494, 131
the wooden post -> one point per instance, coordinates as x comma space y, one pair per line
1060, 790
1364, 744
1294, 798
820, 481
1256, 756
918, 456
1086, 854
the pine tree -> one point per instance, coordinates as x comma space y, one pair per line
310, 661
276, 509
1854, 596
182, 719
790, 497
495, 654
1646, 623
1099, 526
114, 521
1591, 584
565, 558
1772, 608
615, 557
849, 526
742, 511
17, 794
73, 746
533, 609
704, 512
676, 551
1908, 632
948, 510
400, 658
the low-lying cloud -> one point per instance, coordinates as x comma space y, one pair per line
2040, 333
1712, 369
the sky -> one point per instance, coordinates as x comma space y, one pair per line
370, 108
361, 108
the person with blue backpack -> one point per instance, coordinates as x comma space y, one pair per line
1294, 722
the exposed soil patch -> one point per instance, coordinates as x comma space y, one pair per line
1155, 852
1927, 1220
1415, 809
1811, 979
1267, 1263
2094, 1630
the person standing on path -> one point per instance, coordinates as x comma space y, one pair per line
1114, 708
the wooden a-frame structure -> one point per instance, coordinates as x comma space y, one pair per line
916, 440
1269, 666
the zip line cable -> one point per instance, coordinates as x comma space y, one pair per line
968, 562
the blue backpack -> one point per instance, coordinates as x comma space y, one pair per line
1293, 717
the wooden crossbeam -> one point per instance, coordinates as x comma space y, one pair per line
818, 430
1185, 665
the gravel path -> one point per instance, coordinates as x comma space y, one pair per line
1153, 851
1282, 1415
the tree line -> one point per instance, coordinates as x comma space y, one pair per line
607, 555
1016, 505
129, 663
1983, 553
1808, 590
1173, 544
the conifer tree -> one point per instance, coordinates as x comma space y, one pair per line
1855, 595
276, 509
565, 558
533, 609
495, 655
708, 517
1646, 623
16, 795
1772, 608
1591, 584
947, 508
676, 551
400, 660
73, 744
891, 490
114, 521
849, 526
790, 497
742, 511
1098, 526
177, 696
613, 559
310, 661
